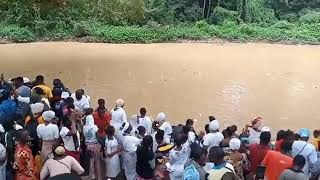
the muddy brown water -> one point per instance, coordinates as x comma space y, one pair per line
233, 82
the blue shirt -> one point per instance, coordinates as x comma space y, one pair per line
7, 110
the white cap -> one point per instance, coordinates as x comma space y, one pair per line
234, 144
36, 108
214, 125
265, 129
65, 95
161, 117
48, 115
119, 102
26, 80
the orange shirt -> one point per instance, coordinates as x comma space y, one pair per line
275, 163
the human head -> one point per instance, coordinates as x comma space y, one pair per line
101, 111
265, 138
316, 133
79, 94
185, 130
119, 103
66, 122
161, 117
147, 141
159, 136
304, 134
57, 83
214, 126
23, 136
233, 129
69, 101
4, 95
189, 122
211, 118
199, 155
143, 111
38, 91
299, 162
18, 82
89, 120
257, 123
286, 147
216, 155
101, 103
57, 93
58, 150
39, 80
126, 128
110, 131
235, 144
178, 140
281, 135
88, 111
8, 126
48, 116
141, 130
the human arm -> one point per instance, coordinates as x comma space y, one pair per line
44, 172
75, 166
313, 157
124, 117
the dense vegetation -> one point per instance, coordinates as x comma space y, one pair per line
160, 20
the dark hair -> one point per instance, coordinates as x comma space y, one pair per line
141, 130
185, 129
206, 128
189, 122
40, 79
101, 102
19, 79
281, 135
316, 133
159, 135
38, 90
66, 122
211, 118
88, 111
233, 129
143, 111
197, 152
20, 134
8, 126
286, 146
110, 131
69, 100
56, 92
299, 161
265, 137
79, 93
216, 153
178, 140
296, 137
147, 142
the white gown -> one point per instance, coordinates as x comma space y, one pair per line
112, 164
2, 166
130, 144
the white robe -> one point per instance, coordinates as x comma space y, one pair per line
113, 163
130, 144
3, 166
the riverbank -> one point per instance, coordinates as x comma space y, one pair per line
281, 32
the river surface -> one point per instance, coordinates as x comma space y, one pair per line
233, 82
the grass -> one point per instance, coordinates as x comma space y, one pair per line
281, 31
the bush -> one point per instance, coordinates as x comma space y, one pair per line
16, 33
220, 15
310, 17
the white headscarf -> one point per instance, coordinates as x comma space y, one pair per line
214, 125
48, 115
89, 123
161, 117
119, 102
234, 144
36, 108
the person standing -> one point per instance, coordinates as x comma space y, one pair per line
90, 131
303, 147
144, 120
102, 119
112, 150
145, 159
24, 163
40, 83
295, 172
58, 85
71, 137
48, 134
7, 106
165, 126
22, 90
275, 162
3, 162
194, 167
129, 144
119, 117
214, 138
81, 103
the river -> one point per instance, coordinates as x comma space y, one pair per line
233, 82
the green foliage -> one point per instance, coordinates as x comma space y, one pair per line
220, 15
259, 11
16, 33
310, 17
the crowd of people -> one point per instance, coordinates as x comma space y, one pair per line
51, 132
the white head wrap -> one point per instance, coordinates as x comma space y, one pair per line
48, 115
119, 102
60, 150
89, 123
36, 108
161, 117
214, 125
26, 80
265, 129
234, 144
65, 95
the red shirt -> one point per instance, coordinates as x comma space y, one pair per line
102, 123
256, 156
276, 162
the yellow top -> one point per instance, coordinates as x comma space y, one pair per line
316, 142
47, 91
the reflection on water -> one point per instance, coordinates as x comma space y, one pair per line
233, 82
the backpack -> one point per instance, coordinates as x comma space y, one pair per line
190, 173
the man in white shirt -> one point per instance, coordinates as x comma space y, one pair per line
165, 126
144, 120
302, 147
81, 103
214, 137
118, 117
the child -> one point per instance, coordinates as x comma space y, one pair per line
140, 132
112, 150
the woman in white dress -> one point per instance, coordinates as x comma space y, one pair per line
112, 150
129, 144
